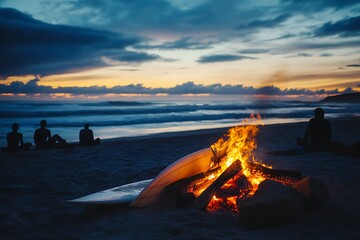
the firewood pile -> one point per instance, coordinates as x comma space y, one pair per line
282, 197
261, 195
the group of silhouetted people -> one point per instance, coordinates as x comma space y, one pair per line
44, 140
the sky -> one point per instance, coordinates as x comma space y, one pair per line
88, 48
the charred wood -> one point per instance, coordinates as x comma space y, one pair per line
240, 188
182, 183
286, 176
205, 197
183, 190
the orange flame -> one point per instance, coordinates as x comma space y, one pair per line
238, 144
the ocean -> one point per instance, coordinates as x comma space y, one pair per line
111, 119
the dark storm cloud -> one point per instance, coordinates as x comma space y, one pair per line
29, 46
182, 43
32, 87
266, 23
349, 27
222, 58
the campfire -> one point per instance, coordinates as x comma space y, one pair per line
234, 174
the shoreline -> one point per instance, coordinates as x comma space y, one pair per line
223, 130
212, 130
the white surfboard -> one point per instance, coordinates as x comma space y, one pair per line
117, 195
187, 166
147, 192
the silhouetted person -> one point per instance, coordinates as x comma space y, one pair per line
15, 140
43, 138
318, 132
86, 136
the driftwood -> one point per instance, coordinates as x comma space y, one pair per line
287, 176
205, 197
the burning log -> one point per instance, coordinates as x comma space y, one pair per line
182, 183
285, 176
183, 190
205, 197
239, 188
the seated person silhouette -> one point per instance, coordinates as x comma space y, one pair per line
44, 140
15, 140
318, 132
86, 136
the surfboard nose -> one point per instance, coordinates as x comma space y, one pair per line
190, 165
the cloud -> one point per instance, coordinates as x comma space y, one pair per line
267, 23
349, 27
29, 87
304, 55
308, 77
325, 44
326, 55
171, 16
181, 16
182, 43
301, 55
311, 6
339, 79
32, 47
158, 16
285, 36
254, 51
33, 87
353, 65
222, 58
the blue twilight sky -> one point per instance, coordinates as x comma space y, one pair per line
67, 48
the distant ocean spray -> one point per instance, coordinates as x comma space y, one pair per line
110, 119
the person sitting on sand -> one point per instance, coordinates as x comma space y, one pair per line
86, 136
43, 138
15, 140
318, 132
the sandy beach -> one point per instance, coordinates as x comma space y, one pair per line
36, 184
